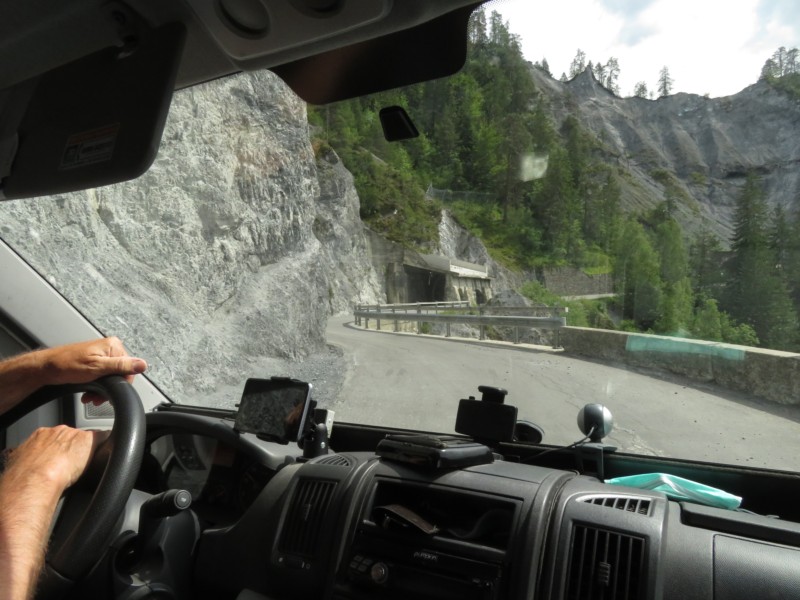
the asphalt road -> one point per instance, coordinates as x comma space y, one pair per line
411, 381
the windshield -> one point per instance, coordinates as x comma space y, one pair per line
616, 181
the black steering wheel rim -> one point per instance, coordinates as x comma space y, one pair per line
72, 558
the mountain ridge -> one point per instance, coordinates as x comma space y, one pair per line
706, 146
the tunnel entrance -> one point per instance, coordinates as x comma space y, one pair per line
423, 285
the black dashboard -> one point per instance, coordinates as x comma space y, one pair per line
353, 526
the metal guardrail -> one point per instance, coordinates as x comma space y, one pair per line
461, 313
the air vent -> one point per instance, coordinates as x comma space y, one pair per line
604, 565
104, 411
306, 514
634, 504
337, 460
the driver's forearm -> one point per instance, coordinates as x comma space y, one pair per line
27, 503
20, 376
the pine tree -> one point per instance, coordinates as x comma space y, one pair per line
636, 275
677, 299
477, 35
780, 236
640, 90
601, 212
555, 201
757, 294
707, 321
498, 30
672, 251
599, 72
770, 70
612, 75
578, 64
664, 83
790, 261
545, 66
749, 264
518, 142
704, 263
675, 309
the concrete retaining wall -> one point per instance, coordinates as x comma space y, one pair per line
769, 374
569, 281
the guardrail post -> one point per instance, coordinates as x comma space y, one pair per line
447, 333
516, 334
356, 315
419, 323
557, 336
396, 328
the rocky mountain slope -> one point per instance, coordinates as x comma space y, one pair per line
703, 148
224, 260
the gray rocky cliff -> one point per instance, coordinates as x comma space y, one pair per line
224, 260
709, 145
456, 242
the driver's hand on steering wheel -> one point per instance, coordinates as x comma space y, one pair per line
22, 375
87, 361
54, 456
37, 473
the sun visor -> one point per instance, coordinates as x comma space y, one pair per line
92, 122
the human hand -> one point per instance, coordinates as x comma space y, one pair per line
37, 473
23, 374
54, 457
87, 361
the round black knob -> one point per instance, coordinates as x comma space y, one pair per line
379, 573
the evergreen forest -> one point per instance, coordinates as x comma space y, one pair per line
538, 192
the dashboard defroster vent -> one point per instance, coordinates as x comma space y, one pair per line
605, 565
312, 497
634, 504
337, 460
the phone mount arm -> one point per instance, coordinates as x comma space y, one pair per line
315, 441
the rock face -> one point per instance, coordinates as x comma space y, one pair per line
457, 242
709, 144
224, 260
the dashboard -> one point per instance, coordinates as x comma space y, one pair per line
355, 526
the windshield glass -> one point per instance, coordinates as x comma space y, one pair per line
601, 176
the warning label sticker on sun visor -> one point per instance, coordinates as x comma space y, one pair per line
90, 147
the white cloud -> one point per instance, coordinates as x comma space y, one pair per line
710, 46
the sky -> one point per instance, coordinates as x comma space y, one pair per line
714, 47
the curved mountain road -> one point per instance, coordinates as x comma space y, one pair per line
412, 381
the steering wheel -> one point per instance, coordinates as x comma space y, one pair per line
75, 548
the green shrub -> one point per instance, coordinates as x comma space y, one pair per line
698, 178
